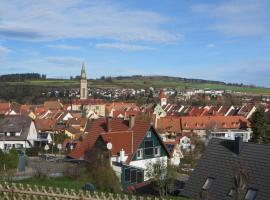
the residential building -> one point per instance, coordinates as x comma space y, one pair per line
231, 169
17, 132
133, 145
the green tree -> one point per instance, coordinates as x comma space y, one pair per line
260, 127
101, 172
162, 174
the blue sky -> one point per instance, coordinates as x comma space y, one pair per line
216, 40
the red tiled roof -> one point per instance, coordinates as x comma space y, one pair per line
97, 127
162, 94
53, 105
169, 123
206, 122
45, 124
87, 101
120, 140
4, 107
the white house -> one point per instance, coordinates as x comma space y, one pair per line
17, 132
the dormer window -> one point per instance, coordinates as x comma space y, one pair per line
208, 183
148, 134
139, 154
251, 194
231, 192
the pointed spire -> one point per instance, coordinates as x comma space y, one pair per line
83, 72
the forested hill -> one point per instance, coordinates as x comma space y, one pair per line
22, 77
176, 79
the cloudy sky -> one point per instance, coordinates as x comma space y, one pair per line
216, 40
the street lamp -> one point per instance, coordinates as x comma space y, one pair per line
4, 164
59, 146
46, 148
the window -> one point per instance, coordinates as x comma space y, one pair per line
148, 134
127, 175
17, 134
133, 176
8, 134
139, 176
157, 151
251, 194
208, 183
231, 192
139, 154
148, 148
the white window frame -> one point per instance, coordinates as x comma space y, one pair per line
158, 151
141, 154
149, 134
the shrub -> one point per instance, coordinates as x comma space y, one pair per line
31, 152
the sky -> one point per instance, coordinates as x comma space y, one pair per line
214, 40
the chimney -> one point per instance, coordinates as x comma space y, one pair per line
109, 124
122, 156
238, 143
131, 121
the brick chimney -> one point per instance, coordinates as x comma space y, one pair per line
109, 124
238, 143
131, 121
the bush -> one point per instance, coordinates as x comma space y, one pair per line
31, 152
10, 159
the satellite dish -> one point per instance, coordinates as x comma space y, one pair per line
109, 145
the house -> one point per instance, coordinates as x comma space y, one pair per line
169, 125
53, 105
231, 167
163, 98
229, 134
200, 124
159, 111
88, 105
175, 152
17, 132
133, 145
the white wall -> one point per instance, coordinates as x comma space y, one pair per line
144, 163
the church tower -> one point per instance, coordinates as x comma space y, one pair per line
83, 90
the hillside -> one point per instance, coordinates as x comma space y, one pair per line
142, 82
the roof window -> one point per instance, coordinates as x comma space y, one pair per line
251, 194
208, 183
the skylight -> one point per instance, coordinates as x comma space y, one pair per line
251, 194
208, 183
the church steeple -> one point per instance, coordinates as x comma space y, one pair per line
83, 72
83, 89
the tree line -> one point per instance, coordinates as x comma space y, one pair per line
22, 77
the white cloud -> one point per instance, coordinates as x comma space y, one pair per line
65, 61
52, 20
210, 45
239, 17
123, 46
4, 50
63, 46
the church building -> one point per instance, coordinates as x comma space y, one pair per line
83, 89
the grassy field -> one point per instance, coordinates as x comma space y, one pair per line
142, 83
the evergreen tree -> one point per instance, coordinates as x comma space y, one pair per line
260, 127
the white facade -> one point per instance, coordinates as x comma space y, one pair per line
20, 143
144, 163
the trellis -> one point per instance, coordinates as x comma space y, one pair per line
17, 191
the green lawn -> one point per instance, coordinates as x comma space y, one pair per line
61, 182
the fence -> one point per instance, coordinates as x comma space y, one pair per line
13, 191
